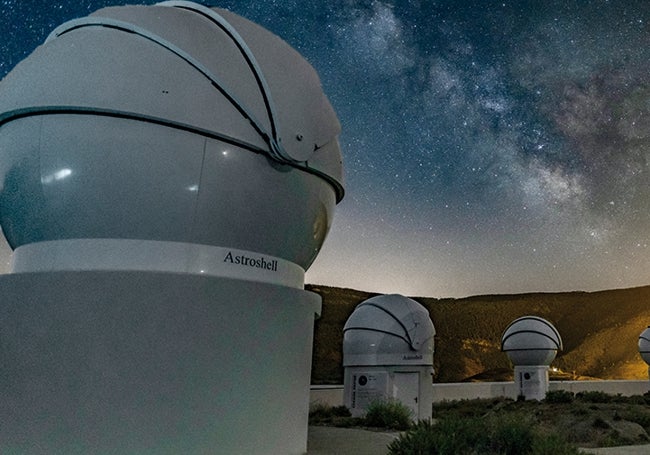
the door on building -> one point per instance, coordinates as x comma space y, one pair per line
406, 389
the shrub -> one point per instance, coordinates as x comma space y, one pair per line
642, 417
388, 414
600, 423
595, 396
511, 437
318, 412
553, 444
635, 399
449, 436
340, 411
559, 396
613, 438
460, 436
420, 439
470, 408
579, 409
323, 414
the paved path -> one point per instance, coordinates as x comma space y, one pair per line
347, 441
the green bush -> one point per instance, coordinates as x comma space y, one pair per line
449, 436
559, 396
495, 436
388, 414
595, 396
553, 444
318, 413
340, 411
635, 399
613, 439
421, 439
511, 436
642, 417
323, 414
471, 408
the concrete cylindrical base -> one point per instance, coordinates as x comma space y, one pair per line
153, 363
412, 386
531, 381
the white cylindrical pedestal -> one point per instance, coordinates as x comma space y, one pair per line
531, 381
412, 386
153, 363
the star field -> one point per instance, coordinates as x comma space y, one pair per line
489, 147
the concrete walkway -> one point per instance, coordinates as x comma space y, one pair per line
347, 441
354, 441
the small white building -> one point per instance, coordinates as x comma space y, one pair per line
388, 344
531, 344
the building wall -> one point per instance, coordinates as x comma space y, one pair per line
365, 384
332, 395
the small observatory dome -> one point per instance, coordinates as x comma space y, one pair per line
531, 340
644, 345
388, 330
173, 123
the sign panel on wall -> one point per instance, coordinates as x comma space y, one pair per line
368, 387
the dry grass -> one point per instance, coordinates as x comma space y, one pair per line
600, 331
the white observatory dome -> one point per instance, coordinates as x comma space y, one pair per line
531, 340
644, 345
388, 330
169, 123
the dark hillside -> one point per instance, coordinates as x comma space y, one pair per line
600, 331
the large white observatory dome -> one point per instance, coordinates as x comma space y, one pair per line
169, 123
167, 174
531, 340
388, 330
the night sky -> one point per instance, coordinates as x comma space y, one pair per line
489, 147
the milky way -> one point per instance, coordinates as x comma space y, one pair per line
489, 147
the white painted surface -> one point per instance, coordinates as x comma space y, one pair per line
406, 389
531, 381
329, 395
156, 256
143, 362
388, 330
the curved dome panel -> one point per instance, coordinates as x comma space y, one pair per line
644, 345
388, 330
531, 340
172, 122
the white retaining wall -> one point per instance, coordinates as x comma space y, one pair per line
332, 395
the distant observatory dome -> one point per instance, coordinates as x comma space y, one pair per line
388, 330
169, 123
644, 345
531, 340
